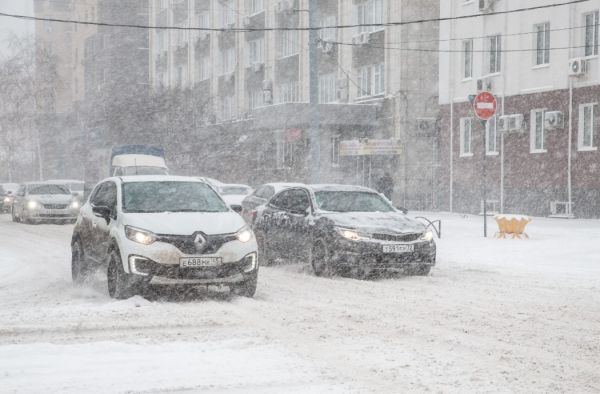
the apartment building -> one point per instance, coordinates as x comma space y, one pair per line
541, 155
378, 99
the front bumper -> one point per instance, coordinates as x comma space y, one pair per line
369, 256
52, 214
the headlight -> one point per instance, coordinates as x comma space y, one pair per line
245, 234
75, 205
6, 200
427, 235
352, 235
140, 236
32, 204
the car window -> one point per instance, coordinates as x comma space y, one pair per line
265, 192
21, 191
281, 200
48, 189
352, 201
105, 195
292, 200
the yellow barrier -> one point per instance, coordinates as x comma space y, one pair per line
512, 225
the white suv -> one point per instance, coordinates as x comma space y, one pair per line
162, 230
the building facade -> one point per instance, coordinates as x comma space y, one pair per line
250, 87
541, 155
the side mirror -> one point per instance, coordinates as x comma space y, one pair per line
75, 194
237, 208
102, 211
402, 209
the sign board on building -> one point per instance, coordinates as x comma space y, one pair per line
368, 147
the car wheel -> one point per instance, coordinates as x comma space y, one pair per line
79, 267
263, 252
119, 284
246, 288
13, 216
320, 259
423, 270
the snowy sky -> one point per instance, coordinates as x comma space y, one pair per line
9, 26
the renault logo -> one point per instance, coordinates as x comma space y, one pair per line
199, 241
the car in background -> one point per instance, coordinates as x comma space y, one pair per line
338, 228
45, 201
137, 160
7, 192
255, 202
75, 186
162, 230
234, 194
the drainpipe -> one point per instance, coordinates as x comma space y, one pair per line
570, 143
451, 154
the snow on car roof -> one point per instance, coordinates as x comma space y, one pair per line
235, 185
158, 178
279, 186
340, 188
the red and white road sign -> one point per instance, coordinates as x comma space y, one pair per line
485, 105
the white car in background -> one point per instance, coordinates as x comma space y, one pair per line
162, 230
234, 194
44, 201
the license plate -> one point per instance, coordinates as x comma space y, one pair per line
199, 262
400, 248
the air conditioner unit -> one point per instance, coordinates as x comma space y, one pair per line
515, 122
561, 209
553, 120
486, 5
247, 21
485, 84
502, 124
284, 6
426, 125
327, 47
257, 66
577, 67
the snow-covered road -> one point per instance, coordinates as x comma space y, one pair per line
496, 315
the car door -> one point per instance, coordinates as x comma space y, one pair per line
294, 226
272, 223
19, 200
86, 221
101, 226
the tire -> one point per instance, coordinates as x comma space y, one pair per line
120, 284
320, 259
422, 270
80, 269
246, 288
13, 216
264, 256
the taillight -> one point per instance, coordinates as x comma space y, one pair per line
253, 216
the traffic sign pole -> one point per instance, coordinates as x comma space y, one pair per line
484, 105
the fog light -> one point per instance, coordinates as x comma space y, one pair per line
139, 265
250, 263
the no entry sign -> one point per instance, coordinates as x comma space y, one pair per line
485, 105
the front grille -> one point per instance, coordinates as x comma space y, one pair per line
54, 215
175, 272
186, 244
55, 206
397, 237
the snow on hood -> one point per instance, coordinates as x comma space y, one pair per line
186, 223
376, 222
51, 198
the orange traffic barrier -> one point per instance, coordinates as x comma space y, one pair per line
512, 225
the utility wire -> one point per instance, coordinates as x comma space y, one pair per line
243, 30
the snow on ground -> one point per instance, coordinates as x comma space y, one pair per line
495, 315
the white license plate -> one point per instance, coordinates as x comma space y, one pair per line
199, 262
400, 248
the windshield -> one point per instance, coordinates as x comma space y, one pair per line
167, 196
347, 201
48, 189
235, 190
76, 187
139, 170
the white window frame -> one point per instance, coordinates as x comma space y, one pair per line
288, 92
590, 145
541, 43
328, 88
591, 32
288, 43
228, 12
493, 54
203, 65
285, 154
335, 151
255, 98
467, 46
369, 12
228, 60
370, 80
491, 135
256, 51
533, 128
466, 135
254, 7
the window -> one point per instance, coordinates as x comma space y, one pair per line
335, 151
285, 154
227, 12
288, 92
465, 137
255, 97
537, 131
256, 51
494, 53
468, 58
587, 126
491, 137
369, 12
591, 33
179, 76
288, 43
254, 6
328, 88
371, 80
227, 107
328, 34
542, 43
228, 61
204, 19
